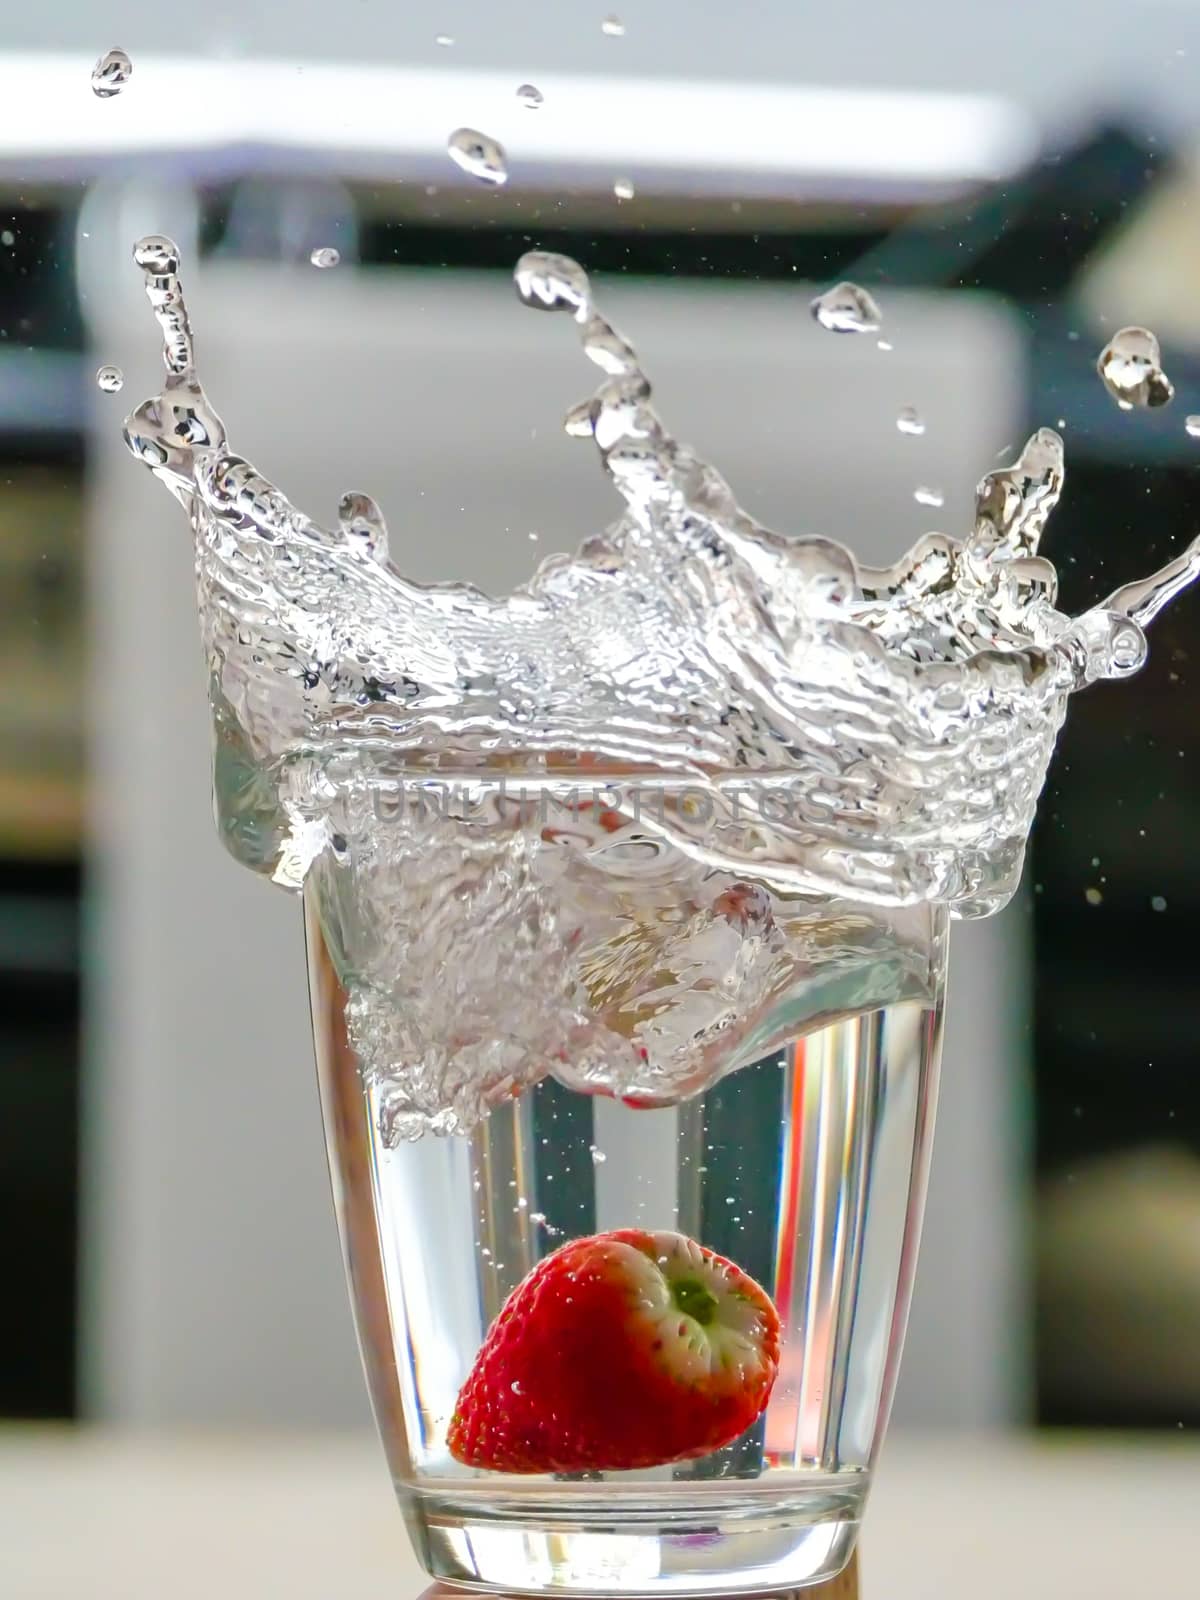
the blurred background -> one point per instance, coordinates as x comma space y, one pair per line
1012, 194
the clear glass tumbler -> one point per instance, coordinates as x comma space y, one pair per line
797, 1148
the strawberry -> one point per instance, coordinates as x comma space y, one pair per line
626, 1349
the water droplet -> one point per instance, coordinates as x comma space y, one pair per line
110, 379
623, 189
479, 154
911, 421
550, 282
157, 254
444, 40
515, 1386
1093, 897
925, 496
612, 26
111, 73
598, 1156
8, 237
847, 308
1158, 902
326, 256
1131, 368
530, 96
1192, 425
884, 344
361, 520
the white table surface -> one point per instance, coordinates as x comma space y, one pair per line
89, 1515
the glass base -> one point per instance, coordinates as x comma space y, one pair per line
745, 1543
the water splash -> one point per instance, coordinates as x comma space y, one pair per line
1130, 366
478, 154
111, 73
110, 380
692, 663
847, 308
325, 256
530, 96
910, 421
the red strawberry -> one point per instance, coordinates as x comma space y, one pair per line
623, 1350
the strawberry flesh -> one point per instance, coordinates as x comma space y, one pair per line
623, 1350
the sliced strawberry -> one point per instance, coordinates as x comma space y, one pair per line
622, 1350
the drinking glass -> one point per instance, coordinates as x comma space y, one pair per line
798, 1150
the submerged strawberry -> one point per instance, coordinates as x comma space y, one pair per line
622, 1350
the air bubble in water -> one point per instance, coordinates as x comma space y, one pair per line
847, 308
1192, 425
110, 379
623, 189
925, 496
326, 256
479, 154
530, 96
111, 73
1131, 367
911, 421
612, 26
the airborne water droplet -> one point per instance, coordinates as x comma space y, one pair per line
623, 189
444, 40
550, 282
361, 520
925, 496
1093, 897
326, 256
530, 96
110, 379
612, 26
479, 154
598, 1156
1158, 902
1131, 368
155, 253
847, 308
1192, 425
911, 421
111, 73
